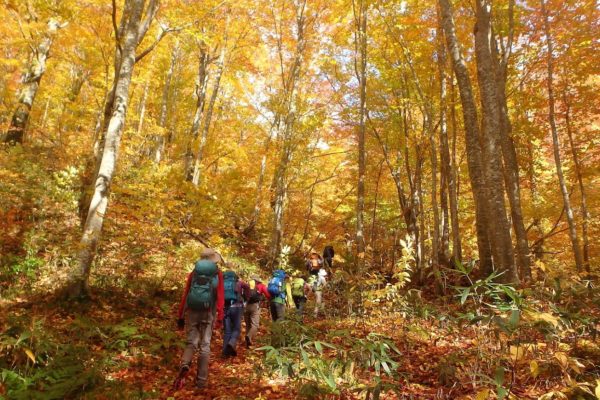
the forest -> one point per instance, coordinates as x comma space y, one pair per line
447, 151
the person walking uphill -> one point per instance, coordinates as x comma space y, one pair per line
328, 255
258, 292
314, 263
300, 291
319, 284
202, 299
281, 293
237, 292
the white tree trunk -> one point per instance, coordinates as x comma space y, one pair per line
31, 83
99, 203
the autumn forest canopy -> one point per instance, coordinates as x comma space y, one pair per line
447, 150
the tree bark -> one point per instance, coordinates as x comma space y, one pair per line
585, 216
453, 184
142, 110
197, 176
444, 251
474, 157
498, 228
259, 188
360, 34
99, 203
201, 87
285, 124
31, 83
160, 139
556, 142
511, 164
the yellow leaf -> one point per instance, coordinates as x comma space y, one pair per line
562, 358
483, 394
534, 368
517, 352
30, 355
597, 390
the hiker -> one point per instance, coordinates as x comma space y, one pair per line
202, 298
328, 255
319, 284
280, 292
236, 293
300, 291
258, 292
314, 263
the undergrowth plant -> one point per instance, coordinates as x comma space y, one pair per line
321, 367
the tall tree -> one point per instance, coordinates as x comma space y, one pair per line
360, 8
509, 153
555, 139
196, 177
444, 252
161, 138
585, 215
473, 147
127, 41
200, 93
285, 119
499, 228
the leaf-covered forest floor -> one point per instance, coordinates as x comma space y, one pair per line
119, 346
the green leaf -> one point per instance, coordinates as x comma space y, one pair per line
330, 381
502, 393
319, 347
464, 295
499, 375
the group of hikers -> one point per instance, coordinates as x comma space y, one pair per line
216, 299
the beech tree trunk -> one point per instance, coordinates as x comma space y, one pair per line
509, 153
444, 251
30, 84
360, 16
201, 87
160, 139
92, 166
197, 176
99, 203
498, 227
556, 141
142, 108
474, 156
453, 184
285, 124
259, 188
585, 216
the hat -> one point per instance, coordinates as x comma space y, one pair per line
210, 254
256, 278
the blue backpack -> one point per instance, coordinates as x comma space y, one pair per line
275, 286
230, 280
202, 294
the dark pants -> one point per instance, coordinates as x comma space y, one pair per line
300, 302
277, 311
232, 325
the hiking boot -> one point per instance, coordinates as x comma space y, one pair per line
200, 385
225, 353
248, 342
179, 381
230, 350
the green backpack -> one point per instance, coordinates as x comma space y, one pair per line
202, 294
298, 287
